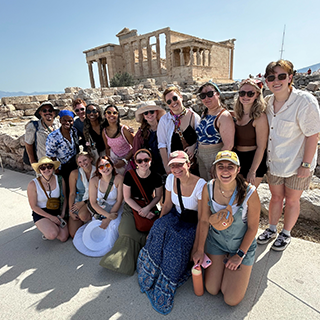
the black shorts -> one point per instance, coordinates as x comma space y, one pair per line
37, 217
246, 159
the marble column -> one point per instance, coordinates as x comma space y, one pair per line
132, 59
158, 54
91, 74
198, 57
140, 57
181, 57
231, 64
105, 75
149, 57
100, 73
204, 58
191, 56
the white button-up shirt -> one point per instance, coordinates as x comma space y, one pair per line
297, 119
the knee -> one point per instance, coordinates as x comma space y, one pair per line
277, 197
51, 234
212, 289
232, 301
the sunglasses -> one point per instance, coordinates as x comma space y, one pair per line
78, 110
91, 111
174, 99
47, 110
208, 94
272, 77
176, 165
250, 94
106, 165
46, 166
146, 113
112, 112
139, 161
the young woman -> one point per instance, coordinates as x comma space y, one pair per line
48, 221
294, 124
231, 250
148, 115
92, 131
123, 256
176, 129
106, 197
252, 129
79, 192
118, 140
163, 263
215, 131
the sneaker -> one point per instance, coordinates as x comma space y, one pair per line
281, 242
266, 236
44, 238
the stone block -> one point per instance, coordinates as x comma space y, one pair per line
131, 113
15, 114
40, 98
29, 112
107, 92
64, 103
16, 100
124, 91
123, 111
55, 96
313, 86
7, 108
25, 106
72, 90
128, 97
116, 98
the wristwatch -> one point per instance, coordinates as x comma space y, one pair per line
125, 160
241, 254
305, 165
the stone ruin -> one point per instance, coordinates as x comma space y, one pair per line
186, 58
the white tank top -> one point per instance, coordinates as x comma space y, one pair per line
41, 197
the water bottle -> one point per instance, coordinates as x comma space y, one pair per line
197, 280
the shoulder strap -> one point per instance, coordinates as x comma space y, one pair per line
179, 195
190, 119
138, 183
233, 196
217, 118
109, 188
45, 192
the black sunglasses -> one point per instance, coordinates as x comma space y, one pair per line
174, 98
272, 77
146, 113
139, 161
47, 110
78, 110
208, 94
46, 166
250, 94
91, 111
112, 112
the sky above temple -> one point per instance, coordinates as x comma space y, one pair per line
42, 42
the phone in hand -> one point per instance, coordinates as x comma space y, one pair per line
206, 262
63, 223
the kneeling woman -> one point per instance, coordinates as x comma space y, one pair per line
230, 245
43, 193
163, 264
137, 217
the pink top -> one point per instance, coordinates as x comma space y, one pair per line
119, 146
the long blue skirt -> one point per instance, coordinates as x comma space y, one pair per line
163, 262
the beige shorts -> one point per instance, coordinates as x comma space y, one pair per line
292, 182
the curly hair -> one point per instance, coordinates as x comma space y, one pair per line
87, 124
258, 107
106, 123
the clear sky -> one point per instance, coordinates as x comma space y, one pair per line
41, 42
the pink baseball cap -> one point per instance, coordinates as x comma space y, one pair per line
178, 157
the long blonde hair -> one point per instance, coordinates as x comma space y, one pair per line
259, 105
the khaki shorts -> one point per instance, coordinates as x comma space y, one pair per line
292, 182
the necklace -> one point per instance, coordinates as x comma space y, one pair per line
48, 182
223, 192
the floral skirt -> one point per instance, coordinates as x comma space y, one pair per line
163, 263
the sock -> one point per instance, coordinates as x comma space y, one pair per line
273, 227
286, 232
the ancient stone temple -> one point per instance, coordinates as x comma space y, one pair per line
163, 55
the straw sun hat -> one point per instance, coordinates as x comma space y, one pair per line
45, 160
148, 106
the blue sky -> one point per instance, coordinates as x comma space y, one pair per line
42, 41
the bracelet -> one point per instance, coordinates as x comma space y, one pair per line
125, 160
306, 165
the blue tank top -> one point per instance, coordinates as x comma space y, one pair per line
207, 132
80, 188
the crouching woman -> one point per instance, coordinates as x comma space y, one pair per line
228, 224
45, 198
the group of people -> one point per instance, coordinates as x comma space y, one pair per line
183, 187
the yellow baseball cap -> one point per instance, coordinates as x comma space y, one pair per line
227, 156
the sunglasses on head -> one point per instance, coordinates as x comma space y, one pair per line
146, 113
208, 94
46, 166
106, 165
174, 99
250, 94
112, 112
176, 165
91, 111
78, 110
272, 77
50, 110
139, 161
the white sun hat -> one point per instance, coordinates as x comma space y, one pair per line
94, 237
